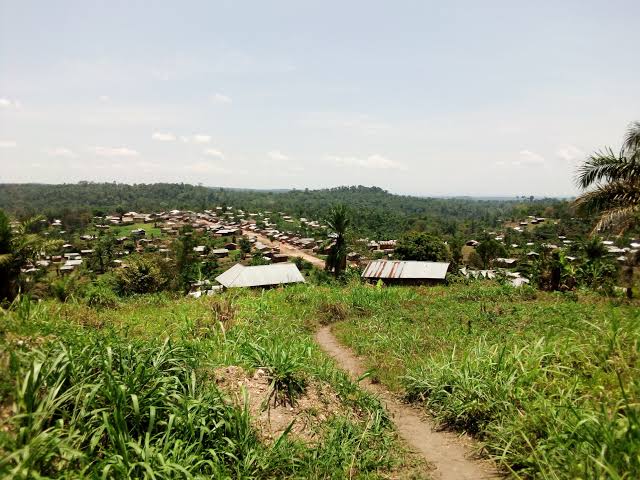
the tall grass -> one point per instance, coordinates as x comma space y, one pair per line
549, 384
95, 394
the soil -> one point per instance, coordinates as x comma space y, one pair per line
286, 249
452, 456
316, 405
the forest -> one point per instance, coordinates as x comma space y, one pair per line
380, 214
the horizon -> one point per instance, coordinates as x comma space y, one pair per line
424, 99
283, 190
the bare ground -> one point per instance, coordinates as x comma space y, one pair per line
316, 405
286, 249
452, 457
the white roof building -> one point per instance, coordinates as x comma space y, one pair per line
260, 275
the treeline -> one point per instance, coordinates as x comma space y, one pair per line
377, 213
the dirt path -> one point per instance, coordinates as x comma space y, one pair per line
286, 249
444, 450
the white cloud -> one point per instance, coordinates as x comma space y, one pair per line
60, 152
375, 161
277, 156
199, 138
212, 152
569, 153
8, 144
163, 137
104, 98
114, 152
7, 103
220, 99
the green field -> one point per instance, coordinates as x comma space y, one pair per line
548, 382
125, 230
136, 392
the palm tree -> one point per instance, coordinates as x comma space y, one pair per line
615, 184
338, 223
19, 247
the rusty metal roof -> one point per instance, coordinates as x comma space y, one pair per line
406, 269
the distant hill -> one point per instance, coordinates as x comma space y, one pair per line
376, 212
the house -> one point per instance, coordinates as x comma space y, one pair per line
472, 243
506, 262
406, 272
279, 257
260, 275
220, 252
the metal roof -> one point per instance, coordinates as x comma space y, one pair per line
405, 269
260, 275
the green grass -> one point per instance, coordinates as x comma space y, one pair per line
548, 382
125, 230
128, 392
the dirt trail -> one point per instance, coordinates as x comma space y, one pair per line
286, 249
444, 450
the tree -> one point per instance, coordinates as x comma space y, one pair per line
18, 248
488, 250
338, 223
614, 180
245, 246
422, 246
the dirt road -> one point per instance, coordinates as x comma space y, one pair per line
445, 451
286, 249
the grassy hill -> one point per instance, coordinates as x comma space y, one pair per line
547, 382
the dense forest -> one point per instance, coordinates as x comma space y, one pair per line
380, 214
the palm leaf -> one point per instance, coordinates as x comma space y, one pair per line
607, 166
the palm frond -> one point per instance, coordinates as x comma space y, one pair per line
5, 259
620, 218
609, 195
607, 166
632, 139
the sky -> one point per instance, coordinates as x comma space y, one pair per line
417, 97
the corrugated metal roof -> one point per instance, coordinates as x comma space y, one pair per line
405, 269
260, 275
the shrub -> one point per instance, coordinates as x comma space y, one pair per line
142, 275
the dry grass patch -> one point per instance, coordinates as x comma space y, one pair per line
317, 404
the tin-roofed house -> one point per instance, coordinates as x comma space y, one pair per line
406, 272
263, 276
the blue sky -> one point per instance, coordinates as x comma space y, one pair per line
428, 98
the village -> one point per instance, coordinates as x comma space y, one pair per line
267, 249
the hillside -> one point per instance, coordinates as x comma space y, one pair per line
380, 214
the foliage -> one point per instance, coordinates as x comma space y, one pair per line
549, 386
614, 180
381, 215
338, 222
422, 246
490, 249
142, 275
18, 248
99, 395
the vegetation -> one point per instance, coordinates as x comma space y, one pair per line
132, 392
381, 215
548, 382
422, 246
338, 223
615, 183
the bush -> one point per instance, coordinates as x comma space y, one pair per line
142, 275
100, 295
